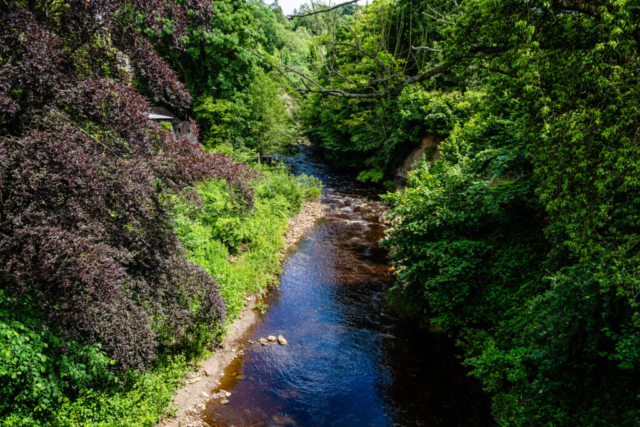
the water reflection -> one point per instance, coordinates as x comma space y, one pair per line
349, 362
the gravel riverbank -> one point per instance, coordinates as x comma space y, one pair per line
192, 397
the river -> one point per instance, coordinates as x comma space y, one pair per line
349, 361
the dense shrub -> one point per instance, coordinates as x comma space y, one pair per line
242, 249
37, 369
87, 181
143, 401
255, 120
295, 190
550, 335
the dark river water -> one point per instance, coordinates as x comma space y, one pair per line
349, 361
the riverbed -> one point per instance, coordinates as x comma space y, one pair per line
349, 360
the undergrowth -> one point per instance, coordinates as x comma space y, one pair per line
242, 249
47, 381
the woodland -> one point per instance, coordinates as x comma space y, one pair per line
126, 250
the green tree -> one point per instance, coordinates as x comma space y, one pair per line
214, 62
270, 123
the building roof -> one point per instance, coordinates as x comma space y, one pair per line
153, 116
167, 115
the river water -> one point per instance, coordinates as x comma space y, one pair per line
349, 361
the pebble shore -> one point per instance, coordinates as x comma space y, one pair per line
301, 223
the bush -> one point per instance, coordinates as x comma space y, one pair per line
142, 401
374, 137
242, 248
39, 371
256, 119
279, 183
553, 336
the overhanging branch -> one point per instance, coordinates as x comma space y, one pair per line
408, 80
290, 17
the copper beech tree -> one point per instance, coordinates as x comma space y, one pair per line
87, 179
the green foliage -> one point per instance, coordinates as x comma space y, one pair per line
310, 187
167, 126
214, 62
142, 401
270, 123
552, 334
255, 120
380, 134
464, 227
242, 249
295, 190
39, 371
46, 381
238, 104
223, 121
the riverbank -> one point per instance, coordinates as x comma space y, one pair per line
191, 399
350, 360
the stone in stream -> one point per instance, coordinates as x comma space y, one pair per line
263, 341
221, 395
280, 420
271, 338
224, 402
281, 340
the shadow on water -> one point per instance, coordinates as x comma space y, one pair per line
349, 362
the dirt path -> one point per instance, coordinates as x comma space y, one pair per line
192, 397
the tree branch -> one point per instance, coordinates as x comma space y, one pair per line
376, 95
290, 17
430, 49
588, 9
577, 6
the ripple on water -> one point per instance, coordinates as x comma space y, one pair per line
349, 362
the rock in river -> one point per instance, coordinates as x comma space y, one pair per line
271, 338
281, 340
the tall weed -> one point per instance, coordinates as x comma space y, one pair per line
242, 249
